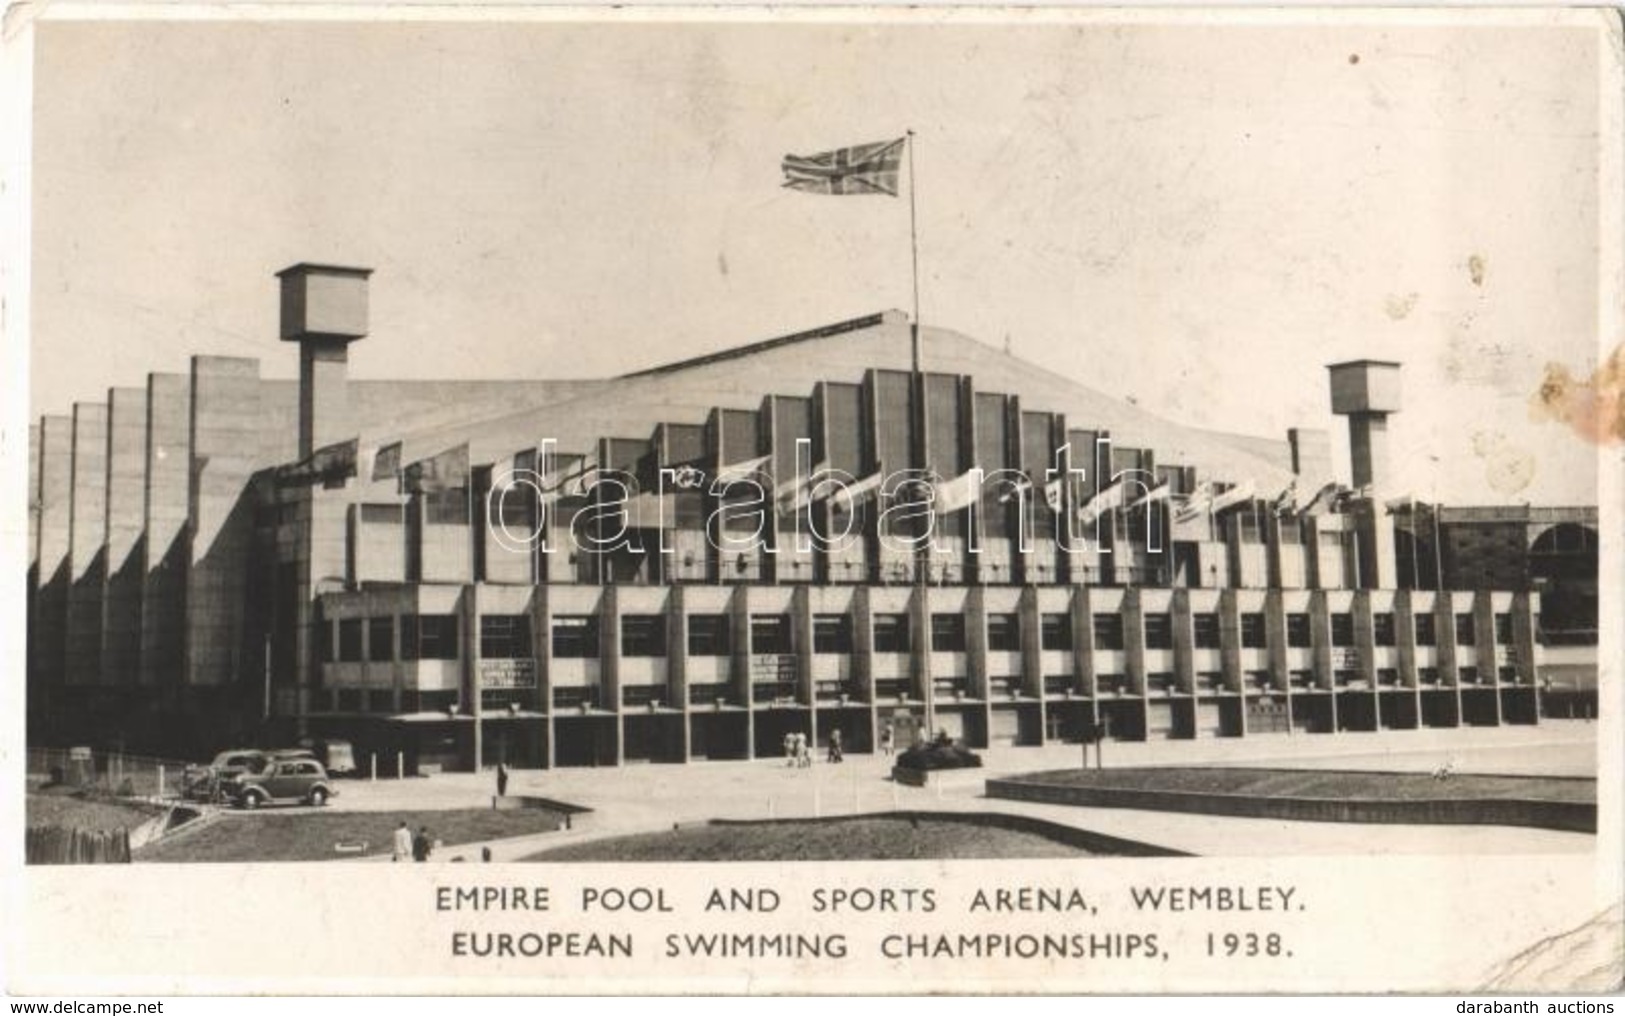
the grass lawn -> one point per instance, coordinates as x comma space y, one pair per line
877, 838
1326, 784
63, 809
309, 835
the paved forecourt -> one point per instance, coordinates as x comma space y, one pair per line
651, 797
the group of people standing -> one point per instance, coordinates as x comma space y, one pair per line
418, 847
798, 751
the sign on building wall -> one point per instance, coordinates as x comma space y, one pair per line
773, 667
500, 674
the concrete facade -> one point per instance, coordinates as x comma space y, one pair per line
188, 567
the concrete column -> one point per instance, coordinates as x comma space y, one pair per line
541, 634
1031, 620
224, 423
126, 494
1184, 634
609, 663
920, 653
166, 548
48, 621
87, 541
863, 643
1484, 635
739, 650
1083, 646
677, 657
1230, 645
1134, 641
976, 642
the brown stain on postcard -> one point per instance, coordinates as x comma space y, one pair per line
1593, 408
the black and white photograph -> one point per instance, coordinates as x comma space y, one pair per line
814, 500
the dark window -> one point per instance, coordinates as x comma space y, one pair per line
1426, 631
1108, 631
1254, 633
1205, 631
1297, 631
947, 633
575, 637
770, 633
1055, 632
505, 637
324, 640
832, 634
1503, 629
409, 638
1342, 629
643, 635
1248, 528
1465, 634
1004, 633
446, 507
350, 640
1382, 629
708, 635
1159, 631
891, 633
437, 637
381, 639
381, 514
349, 702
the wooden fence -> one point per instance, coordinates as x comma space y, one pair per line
66, 845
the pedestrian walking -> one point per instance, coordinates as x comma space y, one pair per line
885, 739
502, 779
789, 748
403, 842
421, 846
835, 745
802, 759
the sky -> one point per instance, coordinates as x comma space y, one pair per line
1197, 217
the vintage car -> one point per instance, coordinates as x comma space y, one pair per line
289, 779
204, 783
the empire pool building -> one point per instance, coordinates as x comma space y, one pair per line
219, 558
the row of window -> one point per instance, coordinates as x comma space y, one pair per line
508, 636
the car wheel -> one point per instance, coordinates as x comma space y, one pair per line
318, 797
251, 801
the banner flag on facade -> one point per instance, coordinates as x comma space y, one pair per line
849, 497
862, 169
1286, 501
1323, 500
799, 491
1241, 493
1022, 485
575, 481
741, 470
1055, 494
330, 464
1197, 504
958, 493
1161, 492
445, 471
386, 462
1107, 500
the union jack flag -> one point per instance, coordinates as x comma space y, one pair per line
861, 169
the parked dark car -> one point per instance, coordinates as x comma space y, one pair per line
289, 779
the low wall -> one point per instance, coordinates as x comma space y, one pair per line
561, 811
1563, 816
1082, 839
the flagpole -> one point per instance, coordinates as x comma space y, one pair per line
922, 557
914, 250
